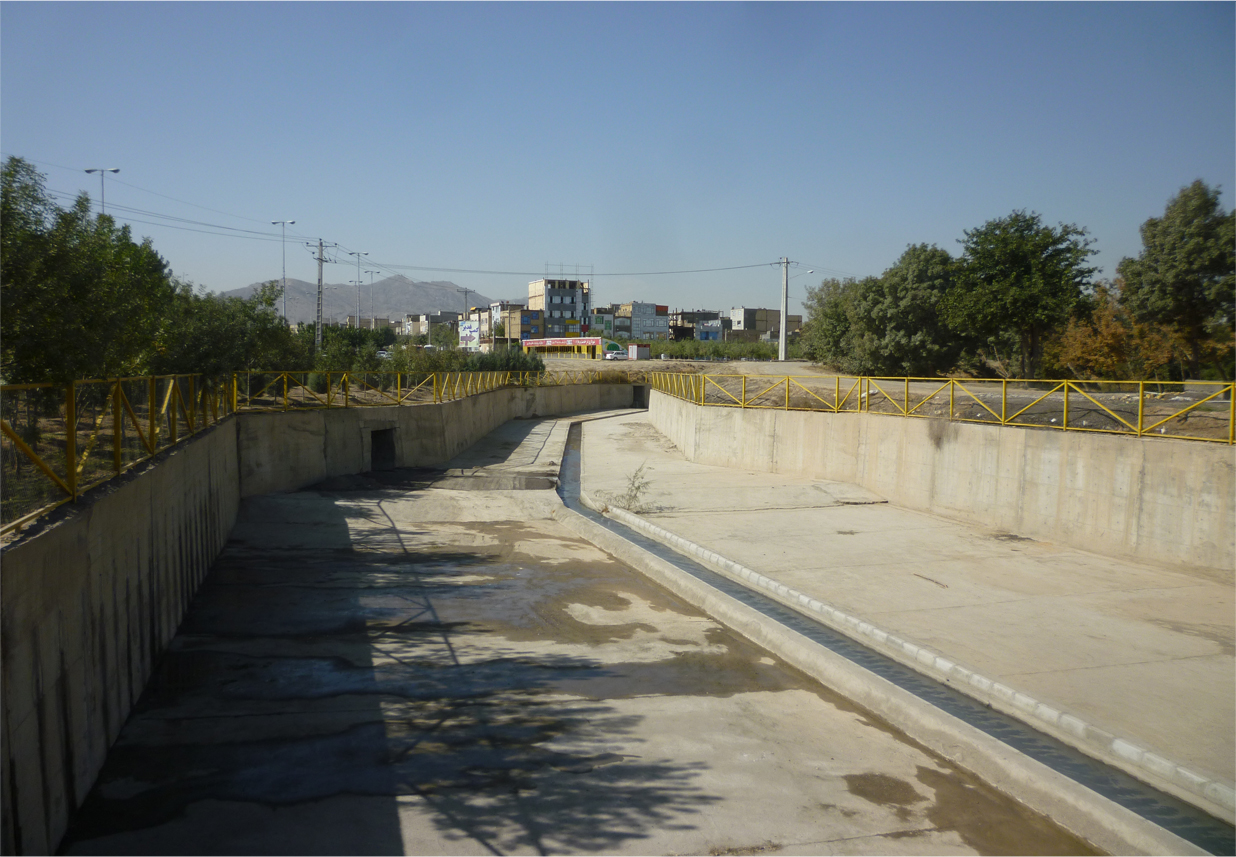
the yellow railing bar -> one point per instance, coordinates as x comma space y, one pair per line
33, 456
959, 385
928, 397
873, 382
1171, 417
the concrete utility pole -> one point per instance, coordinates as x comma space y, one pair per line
785, 306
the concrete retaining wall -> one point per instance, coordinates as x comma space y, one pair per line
1147, 499
88, 606
90, 600
289, 451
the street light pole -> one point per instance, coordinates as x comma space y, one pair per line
284, 224
371, 319
358, 255
102, 171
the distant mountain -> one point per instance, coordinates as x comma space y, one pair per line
392, 298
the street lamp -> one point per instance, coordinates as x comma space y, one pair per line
371, 273
357, 254
102, 171
284, 224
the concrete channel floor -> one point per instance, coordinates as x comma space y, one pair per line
420, 663
1142, 651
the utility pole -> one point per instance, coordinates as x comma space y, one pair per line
317, 331
785, 305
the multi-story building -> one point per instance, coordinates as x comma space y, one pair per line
518, 322
763, 322
567, 305
602, 322
648, 321
419, 324
702, 324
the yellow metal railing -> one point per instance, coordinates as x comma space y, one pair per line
1194, 410
60, 440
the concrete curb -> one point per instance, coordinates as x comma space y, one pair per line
1213, 796
1066, 802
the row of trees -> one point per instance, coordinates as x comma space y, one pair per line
1021, 300
80, 298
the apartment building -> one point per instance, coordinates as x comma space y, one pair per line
647, 321
566, 304
518, 322
763, 322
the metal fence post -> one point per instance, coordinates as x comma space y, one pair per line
1141, 406
70, 439
152, 412
1065, 423
117, 426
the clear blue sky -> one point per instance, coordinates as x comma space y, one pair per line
630, 137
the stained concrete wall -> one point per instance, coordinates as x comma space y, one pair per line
88, 605
286, 452
89, 602
1147, 499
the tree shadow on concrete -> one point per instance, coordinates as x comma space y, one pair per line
310, 678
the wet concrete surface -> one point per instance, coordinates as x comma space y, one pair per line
390, 664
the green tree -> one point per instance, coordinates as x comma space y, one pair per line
80, 298
827, 333
216, 335
1019, 280
444, 336
1185, 276
895, 323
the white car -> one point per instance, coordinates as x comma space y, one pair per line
615, 355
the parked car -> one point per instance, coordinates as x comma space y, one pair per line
615, 355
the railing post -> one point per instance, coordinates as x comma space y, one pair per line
70, 439
744, 391
117, 426
1141, 406
285, 391
1231, 417
192, 404
172, 401
1004, 399
787, 391
152, 411
837, 394
952, 397
1064, 426
235, 392
347, 390
905, 410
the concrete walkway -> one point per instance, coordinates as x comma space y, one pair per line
1140, 653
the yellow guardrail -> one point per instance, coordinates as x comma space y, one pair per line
60, 440
1193, 410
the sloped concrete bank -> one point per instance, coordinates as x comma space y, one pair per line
1147, 499
91, 599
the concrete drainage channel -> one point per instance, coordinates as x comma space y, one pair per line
1093, 800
